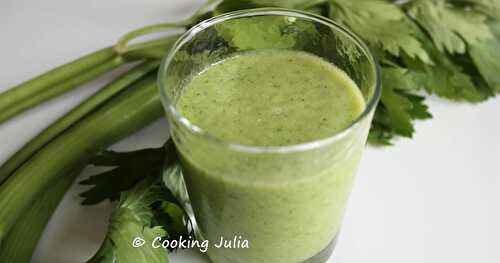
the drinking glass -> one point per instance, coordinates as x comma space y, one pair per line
287, 201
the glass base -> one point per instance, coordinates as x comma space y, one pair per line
322, 257
325, 254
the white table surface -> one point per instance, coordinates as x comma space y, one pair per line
431, 199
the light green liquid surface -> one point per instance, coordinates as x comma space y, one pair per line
271, 98
289, 207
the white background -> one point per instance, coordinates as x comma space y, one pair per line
431, 199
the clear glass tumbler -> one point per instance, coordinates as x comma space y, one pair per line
287, 201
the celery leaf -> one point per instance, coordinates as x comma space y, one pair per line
486, 57
382, 24
147, 208
451, 28
128, 168
132, 220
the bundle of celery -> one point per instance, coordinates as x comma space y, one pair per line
444, 47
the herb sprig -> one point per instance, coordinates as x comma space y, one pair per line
152, 203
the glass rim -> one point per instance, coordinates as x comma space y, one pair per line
318, 143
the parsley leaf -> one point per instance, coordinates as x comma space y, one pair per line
398, 106
148, 209
382, 24
128, 169
486, 57
487, 7
133, 219
450, 28
395, 116
448, 78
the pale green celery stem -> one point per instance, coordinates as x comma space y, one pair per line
22, 239
123, 115
56, 81
123, 46
71, 75
154, 49
73, 116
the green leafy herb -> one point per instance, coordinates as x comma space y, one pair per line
396, 109
128, 169
488, 7
382, 24
132, 221
149, 207
486, 57
450, 27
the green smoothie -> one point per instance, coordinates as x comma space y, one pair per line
289, 205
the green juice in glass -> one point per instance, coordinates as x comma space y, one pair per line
288, 206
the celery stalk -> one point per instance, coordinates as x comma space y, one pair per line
22, 239
71, 75
121, 116
73, 116
20, 97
